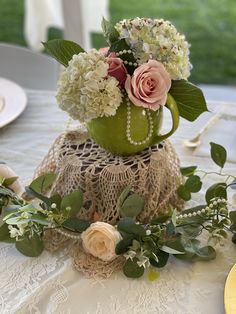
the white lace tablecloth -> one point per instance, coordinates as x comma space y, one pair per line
49, 284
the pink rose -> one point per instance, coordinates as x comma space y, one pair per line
117, 69
104, 50
149, 85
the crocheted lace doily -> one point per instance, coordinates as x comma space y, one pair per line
81, 163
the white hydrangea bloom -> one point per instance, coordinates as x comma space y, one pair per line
84, 89
159, 40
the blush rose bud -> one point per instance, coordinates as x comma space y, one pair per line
149, 85
117, 69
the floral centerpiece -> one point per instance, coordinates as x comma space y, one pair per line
119, 92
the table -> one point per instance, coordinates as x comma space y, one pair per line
49, 284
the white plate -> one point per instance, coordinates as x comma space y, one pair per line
13, 101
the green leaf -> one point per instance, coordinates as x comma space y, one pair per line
128, 225
32, 247
216, 190
40, 219
218, 154
189, 98
188, 171
193, 184
4, 234
132, 206
76, 225
124, 245
110, 33
232, 217
42, 183
162, 259
6, 192
9, 181
205, 253
62, 50
41, 197
184, 193
73, 200
124, 194
132, 270
234, 238
173, 247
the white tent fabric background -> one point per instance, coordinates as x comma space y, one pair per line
78, 18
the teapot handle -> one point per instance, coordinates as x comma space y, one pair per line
172, 106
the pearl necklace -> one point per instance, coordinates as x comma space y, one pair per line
121, 52
128, 131
207, 209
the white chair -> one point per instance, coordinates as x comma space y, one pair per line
29, 69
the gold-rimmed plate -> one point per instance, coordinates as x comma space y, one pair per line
230, 292
13, 101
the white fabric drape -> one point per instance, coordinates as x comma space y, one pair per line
39, 16
78, 18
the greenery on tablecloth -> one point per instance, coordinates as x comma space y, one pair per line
209, 26
144, 245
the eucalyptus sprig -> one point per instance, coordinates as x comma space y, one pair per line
24, 222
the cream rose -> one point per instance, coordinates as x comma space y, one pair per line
100, 240
149, 85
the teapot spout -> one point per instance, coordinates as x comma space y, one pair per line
172, 106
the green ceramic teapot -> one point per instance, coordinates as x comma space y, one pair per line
132, 129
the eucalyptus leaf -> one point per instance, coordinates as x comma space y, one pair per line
162, 259
193, 184
42, 183
124, 245
218, 154
189, 98
173, 247
41, 197
30, 246
40, 219
73, 200
132, 206
132, 270
234, 238
6, 192
9, 181
4, 234
216, 190
62, 50
124, 194
205, 253
10, 210
76, 225
184, 193
188, 171
129, 226
110, 33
